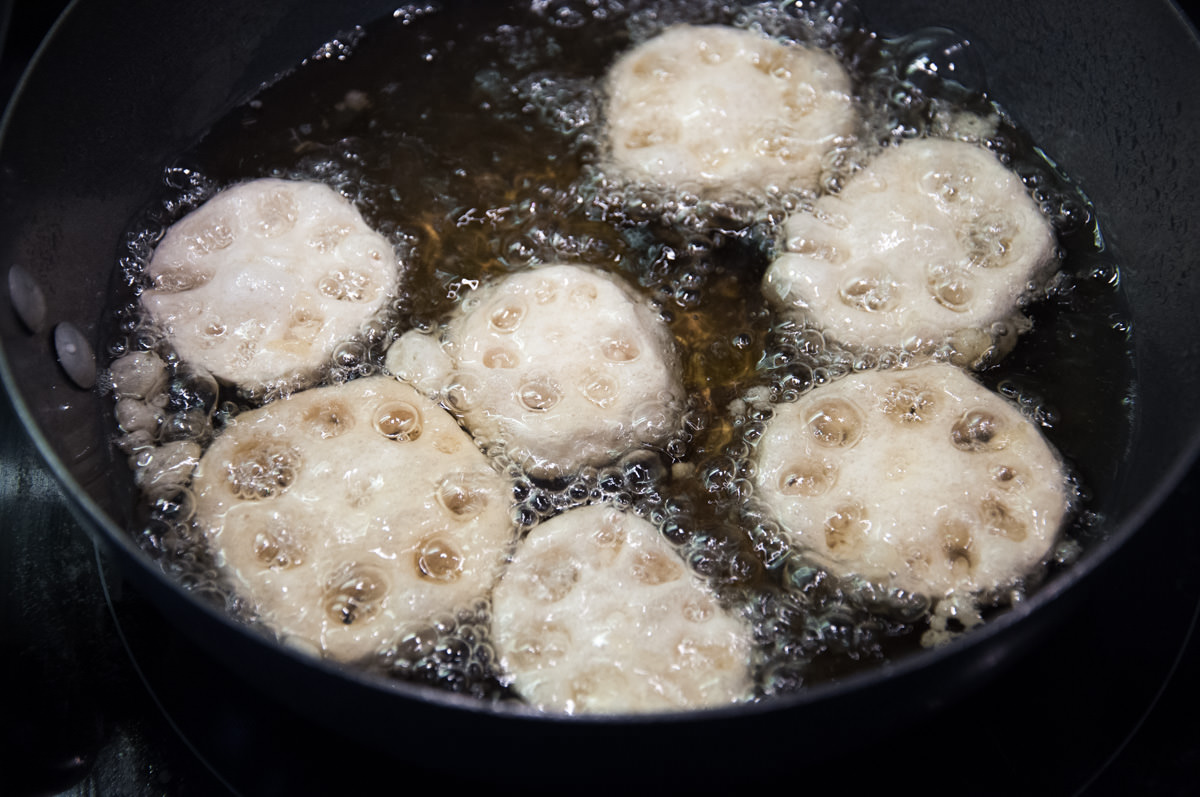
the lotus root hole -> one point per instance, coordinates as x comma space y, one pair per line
583, 293
779, 146
437, 559
447, 443
544, 646
461, 496
951, 289
327, 239
261, 469
699, 609
398, 420
1004, 474
999, 519
816, 249
988, 240
459, 396
245, 352
209, 237
836, 423
846, 529
619, 349
709, 52
704, 656
947, 186
909, 404
539, 395
500, 357
329, 419
808, 478
977, 431
654, 568
774, 62
956, 544
600, 389
277, 214
177, 277
837, 221
552, 576
802, 100
305, 324
645, 137
652, 66
609, 534
870, 294
347, 285
278, 550
507, 317
355, 595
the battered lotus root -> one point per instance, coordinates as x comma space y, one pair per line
344, 512
935, 241
917, 479
561, 365
597, 613
261, 283
717, 109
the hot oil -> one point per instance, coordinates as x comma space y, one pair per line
473, 143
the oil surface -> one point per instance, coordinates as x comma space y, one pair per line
473, 142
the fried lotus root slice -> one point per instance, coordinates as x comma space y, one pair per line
919, 479
717, 109
561, 366
261, 283
344, 512
935, 242
598, 614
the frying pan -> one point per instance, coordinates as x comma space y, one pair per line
119, 91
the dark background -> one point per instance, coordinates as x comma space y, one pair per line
100, 697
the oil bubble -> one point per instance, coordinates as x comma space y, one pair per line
940, 62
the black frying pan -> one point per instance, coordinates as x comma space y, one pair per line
106, 107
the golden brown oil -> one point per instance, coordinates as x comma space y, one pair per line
471, 137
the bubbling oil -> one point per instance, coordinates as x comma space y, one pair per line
473, 143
